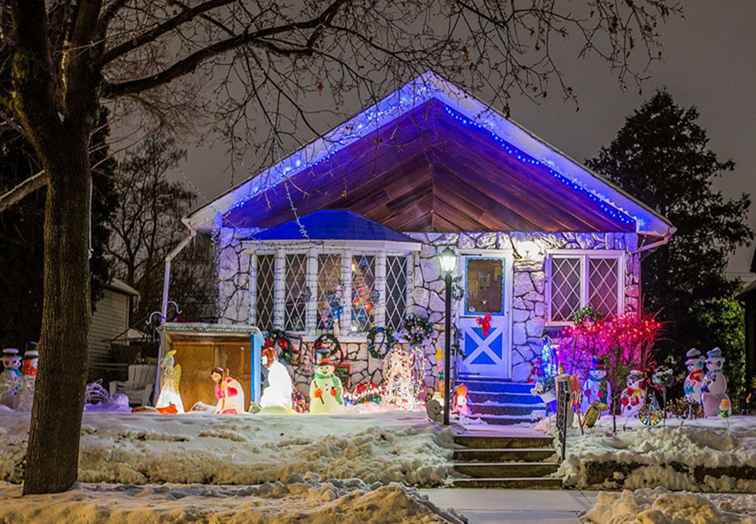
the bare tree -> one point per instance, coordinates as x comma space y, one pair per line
276, 56
146, 225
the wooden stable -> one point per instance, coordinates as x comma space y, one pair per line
201, 347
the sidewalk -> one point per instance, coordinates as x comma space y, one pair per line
513, 506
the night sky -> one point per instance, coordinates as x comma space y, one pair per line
709, 61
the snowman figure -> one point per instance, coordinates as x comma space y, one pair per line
278, 392
596, 387
170, 379
714, 388
326, 392
693, 382
29, 378
634, 395
10, 379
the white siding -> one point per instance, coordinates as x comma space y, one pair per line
110, 319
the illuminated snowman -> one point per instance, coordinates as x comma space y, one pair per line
325, 389
596, 388
694, 380
714, 388
279, 390
11, 382
29, 378
634, 395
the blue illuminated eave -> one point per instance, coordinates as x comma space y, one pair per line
517, 141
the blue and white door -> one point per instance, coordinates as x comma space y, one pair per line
487, 291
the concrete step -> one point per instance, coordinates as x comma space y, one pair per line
505, 469
506, 408
508, 483
506, 420
496, 442
502, 454
492, 385
512, 398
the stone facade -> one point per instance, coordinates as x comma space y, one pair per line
529, 307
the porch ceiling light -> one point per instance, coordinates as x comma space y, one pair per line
448, 260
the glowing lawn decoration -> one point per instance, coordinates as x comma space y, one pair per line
401, 384
326, 391
10, 379
278, 393
228, 392
692, 387
170, 378
714, 388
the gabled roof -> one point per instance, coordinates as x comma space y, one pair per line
504, 179
332, 224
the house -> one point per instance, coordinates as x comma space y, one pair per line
110, 320
362, 213
748, 298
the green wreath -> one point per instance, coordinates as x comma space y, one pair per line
416, 329
278, 340
387, 343
318, 344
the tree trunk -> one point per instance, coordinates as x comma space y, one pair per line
53, 450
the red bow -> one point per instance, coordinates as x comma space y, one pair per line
485, 323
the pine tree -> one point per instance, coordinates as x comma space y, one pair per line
662, 157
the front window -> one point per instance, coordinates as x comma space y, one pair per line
396, 291
265, 278
363, 292
295, 292
329, 284
584, 280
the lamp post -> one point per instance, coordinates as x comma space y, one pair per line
448, 261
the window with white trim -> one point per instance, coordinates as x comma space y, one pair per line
580, 280
363, 293
329, 283
295, 292
396, 290
265, 283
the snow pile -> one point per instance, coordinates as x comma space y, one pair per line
676, 456
387, 446
659, 506
273, 503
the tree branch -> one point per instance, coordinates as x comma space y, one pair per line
22, 190
190, 63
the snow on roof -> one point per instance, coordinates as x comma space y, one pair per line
425, 87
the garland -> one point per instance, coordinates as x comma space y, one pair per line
319, 344
278, 340
384, 345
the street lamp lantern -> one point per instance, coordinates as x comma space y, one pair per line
448, 261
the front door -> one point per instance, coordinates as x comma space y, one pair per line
485, 348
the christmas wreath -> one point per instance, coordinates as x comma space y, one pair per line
385, 343
325, 340
278, 340
417, 330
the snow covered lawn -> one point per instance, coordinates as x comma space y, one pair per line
701, 455
348, 502
384, 446
659, 506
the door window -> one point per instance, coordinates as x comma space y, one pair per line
484, 292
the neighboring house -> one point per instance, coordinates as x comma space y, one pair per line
110, 320
537, 234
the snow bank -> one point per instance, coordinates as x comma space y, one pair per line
272, 503
700, 455
659, 506
385, 446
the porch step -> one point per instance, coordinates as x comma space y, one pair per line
505, 469
512, 398
493, 385
502, 454
496, 442
504, 408
508, 483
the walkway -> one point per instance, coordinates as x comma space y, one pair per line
513, 506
